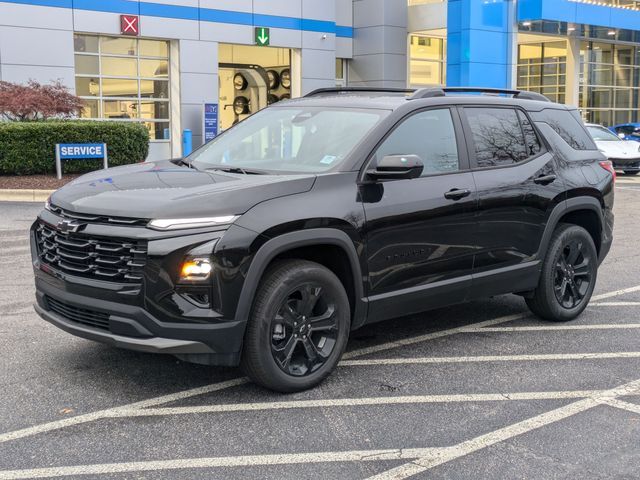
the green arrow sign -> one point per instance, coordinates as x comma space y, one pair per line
262, 36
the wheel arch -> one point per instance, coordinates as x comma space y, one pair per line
583, 211
307, 244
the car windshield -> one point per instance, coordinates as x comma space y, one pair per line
601, 134
293, 139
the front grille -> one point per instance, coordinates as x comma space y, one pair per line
89, 318
100, 258
108, 219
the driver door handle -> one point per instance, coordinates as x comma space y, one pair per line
456, 194
545, 179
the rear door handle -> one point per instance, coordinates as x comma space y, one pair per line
456, 194
545, 179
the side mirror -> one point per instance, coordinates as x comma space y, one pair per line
622, 136
397, 167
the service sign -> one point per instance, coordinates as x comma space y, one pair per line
81, 150
210, 121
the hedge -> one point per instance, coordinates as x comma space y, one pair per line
28, 148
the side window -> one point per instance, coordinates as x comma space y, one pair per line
497, 136
429, 135
567, 126
530, 136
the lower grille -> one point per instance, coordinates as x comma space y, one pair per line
83, 316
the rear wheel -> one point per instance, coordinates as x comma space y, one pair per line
298, 328
568, 275
631, 172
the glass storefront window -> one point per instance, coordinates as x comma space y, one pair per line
125, 79
610, 82
427, 57
542, 68
118, 46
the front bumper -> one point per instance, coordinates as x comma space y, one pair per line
133, 328
628, 164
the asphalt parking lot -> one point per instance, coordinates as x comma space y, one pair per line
479, 391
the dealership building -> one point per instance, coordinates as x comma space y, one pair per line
202, 65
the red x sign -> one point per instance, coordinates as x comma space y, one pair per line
130, 25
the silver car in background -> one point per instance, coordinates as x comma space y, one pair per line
624, 154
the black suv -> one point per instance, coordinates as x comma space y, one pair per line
319, 215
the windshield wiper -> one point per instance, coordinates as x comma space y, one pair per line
243, 171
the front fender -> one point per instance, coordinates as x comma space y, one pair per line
305, 238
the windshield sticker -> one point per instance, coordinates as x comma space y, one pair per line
328, 159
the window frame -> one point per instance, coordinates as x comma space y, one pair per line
471, 147
463, 153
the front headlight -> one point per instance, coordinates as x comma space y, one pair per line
180, 223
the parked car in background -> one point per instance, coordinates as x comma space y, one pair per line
624, 154
627, 131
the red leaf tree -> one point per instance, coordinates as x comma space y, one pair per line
34, 101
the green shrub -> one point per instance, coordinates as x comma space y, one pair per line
28, 148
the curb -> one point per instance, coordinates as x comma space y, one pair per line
24, 195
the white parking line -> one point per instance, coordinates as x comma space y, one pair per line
89, 417
358, 402
488, 358
615, 304
551, 328
614, 402
615, 293
422, 459
243, 461
433, 459
431, 336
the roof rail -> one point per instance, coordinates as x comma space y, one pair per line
338, 90
441, 92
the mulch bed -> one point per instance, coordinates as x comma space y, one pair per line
34, 182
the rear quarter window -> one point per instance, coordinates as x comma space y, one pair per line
568, 125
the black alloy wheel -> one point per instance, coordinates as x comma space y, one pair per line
298, 328
304, 331
568, 275
573, 274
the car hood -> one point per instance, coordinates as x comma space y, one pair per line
164, 190
622, 149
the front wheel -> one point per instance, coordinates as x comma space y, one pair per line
631, 172
568, 275
298, 328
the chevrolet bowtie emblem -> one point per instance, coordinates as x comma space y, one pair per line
68, 226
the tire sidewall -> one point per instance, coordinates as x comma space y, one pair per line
560, 241
268, 305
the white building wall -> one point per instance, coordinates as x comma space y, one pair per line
37, 42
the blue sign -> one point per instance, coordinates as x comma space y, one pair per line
210, 121
82, 150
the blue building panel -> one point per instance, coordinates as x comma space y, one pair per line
580, 13
478, 45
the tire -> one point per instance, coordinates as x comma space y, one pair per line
300, 310
631, 172
568, 276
